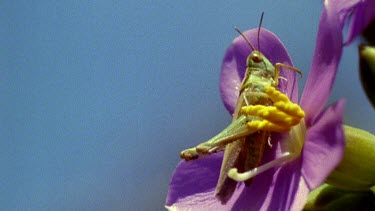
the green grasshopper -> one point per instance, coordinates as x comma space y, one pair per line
243, 146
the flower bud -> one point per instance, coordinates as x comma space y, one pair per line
327, 197
356, 171
367, 70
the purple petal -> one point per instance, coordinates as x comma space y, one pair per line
275, 188
324, 145
190, 178
193, 184
328, 52
289, 191
257, 196
234, 65
363, 14
281, 188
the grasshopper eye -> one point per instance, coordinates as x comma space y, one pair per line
256, 57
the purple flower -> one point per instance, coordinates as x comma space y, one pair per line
285, 187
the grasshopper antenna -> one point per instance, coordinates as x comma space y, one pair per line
248, 42
260, 25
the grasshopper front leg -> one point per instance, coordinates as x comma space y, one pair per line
277, 70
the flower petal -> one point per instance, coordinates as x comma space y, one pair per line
363, 14
324, 65
192, 178
324, 145
326, 57
290, 191
257, 196
234, 65
281, 188
193, 184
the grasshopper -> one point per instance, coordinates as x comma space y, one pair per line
244, 146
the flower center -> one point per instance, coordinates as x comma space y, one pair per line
282, 117
294, 143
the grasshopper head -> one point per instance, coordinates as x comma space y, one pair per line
257, 60
254, 57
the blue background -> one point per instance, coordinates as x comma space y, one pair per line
98, 98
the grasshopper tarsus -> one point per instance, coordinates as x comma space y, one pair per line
189, 154
203, 148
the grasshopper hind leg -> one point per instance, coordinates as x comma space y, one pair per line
233, 132
195, 153
237, 129
189, 154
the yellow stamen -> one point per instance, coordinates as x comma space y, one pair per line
280, 117
276, 95
267, 126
